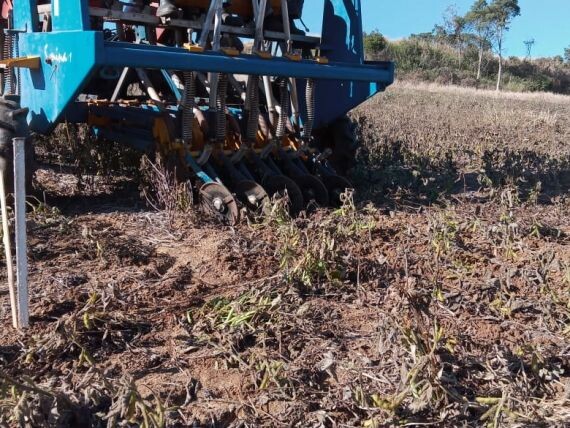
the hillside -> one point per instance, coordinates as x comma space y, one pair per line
423, 60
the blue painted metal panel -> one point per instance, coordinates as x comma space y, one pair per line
342, 31
342, 42
76, 112
336, 98
25, 15
135, 141
155, 57
191, 162
142, 117
172, 85
70, 15
67, 61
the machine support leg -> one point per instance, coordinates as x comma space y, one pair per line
21, 244
120, 84
145, 80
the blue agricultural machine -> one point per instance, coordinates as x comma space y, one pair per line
232, 94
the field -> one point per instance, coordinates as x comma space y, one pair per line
439, 295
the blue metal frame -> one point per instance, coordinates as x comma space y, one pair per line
68, 60
154, 57
70, 15
70, 54
342, 42
24, 18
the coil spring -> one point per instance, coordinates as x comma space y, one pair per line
18, 70
252, 98
310, 96
283, 117
221, 107
8, 53
188, 106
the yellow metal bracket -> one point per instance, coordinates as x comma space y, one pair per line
94, 120
193, 48
31, 62
160, 132
293, 57
230, 51
262, 54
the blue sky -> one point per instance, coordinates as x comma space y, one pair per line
547, 21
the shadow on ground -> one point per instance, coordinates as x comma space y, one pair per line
389, 174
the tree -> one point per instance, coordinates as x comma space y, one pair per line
500, 14
424, 37
529, 44
567, 55
439, 34
453, 29
479, 20
374, 43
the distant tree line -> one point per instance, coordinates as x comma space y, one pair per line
484, 26
470, 49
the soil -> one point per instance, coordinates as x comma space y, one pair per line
441, 297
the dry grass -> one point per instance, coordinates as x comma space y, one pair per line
473, 92
457, 136
441, 296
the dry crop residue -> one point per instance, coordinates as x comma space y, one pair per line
442, 296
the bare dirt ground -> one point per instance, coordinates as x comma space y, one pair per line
439, 295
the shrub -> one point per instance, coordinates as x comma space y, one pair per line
425, 58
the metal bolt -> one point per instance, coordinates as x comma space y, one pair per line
218, 204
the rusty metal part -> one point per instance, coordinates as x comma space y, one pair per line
313, 190
336, 186
251, 194
280, 185
216, 200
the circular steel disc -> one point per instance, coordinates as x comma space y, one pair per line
336, 186
216, 200
281, 185
251, 194
313, 189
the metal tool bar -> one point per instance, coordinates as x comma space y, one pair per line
211, 22
286, 25
147, 19
120, 84
155, 57
259, 13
